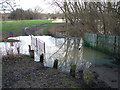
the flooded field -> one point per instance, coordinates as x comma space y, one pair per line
68, 51
62, 49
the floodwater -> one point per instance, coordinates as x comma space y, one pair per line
65, 50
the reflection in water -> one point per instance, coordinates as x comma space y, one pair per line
96, 57
23, 45
71, 54
68, 51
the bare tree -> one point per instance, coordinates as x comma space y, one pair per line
95, 17
7, 6
37, 12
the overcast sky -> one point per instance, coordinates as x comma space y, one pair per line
44, 4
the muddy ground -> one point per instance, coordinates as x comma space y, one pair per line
21, 71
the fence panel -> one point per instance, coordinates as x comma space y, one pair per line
118, 45
37, 45
40, 47
106, 43
33, 43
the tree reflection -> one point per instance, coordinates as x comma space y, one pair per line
71, 53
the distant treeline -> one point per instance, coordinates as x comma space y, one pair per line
20, 14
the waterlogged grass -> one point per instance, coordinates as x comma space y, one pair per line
17, 26
46, 27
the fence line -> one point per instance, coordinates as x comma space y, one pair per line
109, 44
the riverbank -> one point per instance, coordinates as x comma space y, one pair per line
21, 71
29, 65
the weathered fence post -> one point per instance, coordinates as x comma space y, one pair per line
55, 65
73, 70
44, 47
11, 43
81, 74
29, 47
36, 45
31, 53
7, 53
41, 58
18, 50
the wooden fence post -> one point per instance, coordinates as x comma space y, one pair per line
29, 47
36, 45
73, 70
41, 58
11, 43
31, 53
81, 74
18, 49
44, 47
55, 64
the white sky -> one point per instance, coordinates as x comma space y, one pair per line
44, 4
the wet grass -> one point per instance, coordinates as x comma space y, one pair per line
46, 27
69, 82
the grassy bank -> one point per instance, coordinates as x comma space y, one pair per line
21, 71
17, 26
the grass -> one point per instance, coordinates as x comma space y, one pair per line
46, 28
68, 81
17, 26
22, 72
